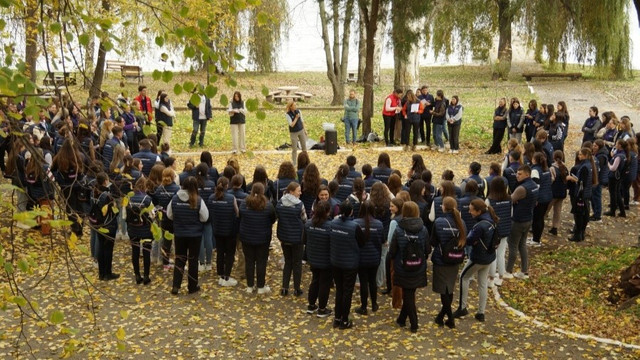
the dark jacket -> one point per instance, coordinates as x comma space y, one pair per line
291, 219
317, 239
187, 222
444, 231
223, 214
195, 110
409, 227
372, 248
346, 238
140, 230
480, 238
256, 225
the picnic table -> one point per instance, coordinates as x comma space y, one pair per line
59, 79
288, 89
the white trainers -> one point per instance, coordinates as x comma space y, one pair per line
521, 276
633, 202
264, 290
456, 151
207, 267
230, 282
441, 149
507, 275
497, 282
200, 267
490, 283
248, 290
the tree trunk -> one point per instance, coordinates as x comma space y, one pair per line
98, 75
406, 69
637, 4
379, 41
505, 15
31, 38
89, 55
371, 22
362, 49
336, 60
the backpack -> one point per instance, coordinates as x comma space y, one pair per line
96, 217
413, 254
495, 239
451, 253
136, 215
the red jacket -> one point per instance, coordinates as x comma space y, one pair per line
149, 109
395, 101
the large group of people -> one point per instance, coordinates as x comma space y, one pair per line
365, 224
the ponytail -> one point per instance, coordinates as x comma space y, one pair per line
221, 187
462, 234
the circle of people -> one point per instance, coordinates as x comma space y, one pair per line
366, 225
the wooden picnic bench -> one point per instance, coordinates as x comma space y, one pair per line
272, 94
132, 72
114, 65
59, 79
279, 98
304, 95
529, 76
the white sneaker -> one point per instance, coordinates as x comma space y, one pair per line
220, 281
227, 283
207, 267
456, 151
125, 237
521, 276
633, 202
441, 149
249, 290
490, 283
200, 267
265, 290
232, 281
118, 236
507, 275
95, 263
497, 282
433, 147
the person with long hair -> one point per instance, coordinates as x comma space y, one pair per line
582, 178
358, 197
369, 256
562, 109
448, 228
68, 168
620, 160
409, 230
542, 176
411, 111
257, 216
454, 122
631, 172
303, 162
139, 220
206, 188
601, 160
609, 134
260, 176
224, 212
417, 167
165, 117
391, 109
385, 269
530, 119
482, 255
286, 175
559, 174
499, 126
297, 131
106, 220
447, 189
40, 186
189, 213
346, 239
438, 119
383, 170
345, 186
291, 219
515, 118
311, 182
237, 114
557, 131
500, 201
317, 237
161, 197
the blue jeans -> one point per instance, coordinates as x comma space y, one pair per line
596, 201
94, 244
207, 244
437, 135
350, 128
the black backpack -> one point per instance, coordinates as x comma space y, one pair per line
413, 254
451, 253
136, 216
495, 239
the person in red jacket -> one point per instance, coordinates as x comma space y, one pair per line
145, 103
392, 107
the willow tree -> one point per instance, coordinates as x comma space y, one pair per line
378, 44
266, 22
336, 48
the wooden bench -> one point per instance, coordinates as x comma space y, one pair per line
279, 98
573, 76
351, 77
114, 65
59, 79
132, 72
272, 94
304, 95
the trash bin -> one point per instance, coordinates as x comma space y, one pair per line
330, 142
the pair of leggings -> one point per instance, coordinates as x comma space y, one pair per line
470, 269
538, 220
518, 244
225, 255
136, 245
389, 125
408, 308
320, 287
187, 249
256, 256
345, 280
368, 286
292, 264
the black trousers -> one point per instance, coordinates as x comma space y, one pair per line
146, 256
389, 125
581, 219
615, 195
166, 225
255, 257
292, 263
624, 189
425, 121
454, 135
537, 224
496, 145
320, 287
187, 249
408, 308
105, 252
345, 280
368, 285
225, 255
74, 207
406, 130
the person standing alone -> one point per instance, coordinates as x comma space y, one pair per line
351, 109
200, 115
237, 116
297, 132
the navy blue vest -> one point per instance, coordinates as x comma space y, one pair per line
107, 151
280, 187
186, 221
482, 251
368, 183
437, 207
503, 211
353, 174
382, 174
544, 194
463, 207
222, 215
587, 185
208, 188
290, 224
256, 225
140, 201
445, 230
559, 185
356, 205
402, 239
298, 126
633, 167
148, 159
308, 200
602, 161
621, 165
523, 209
345, 253
510, 175
110, 221
481, 185
344, 190
372, 249
318, 245
185, 174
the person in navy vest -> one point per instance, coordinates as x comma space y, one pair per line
311, 182
559, 174
515, 117
237, 114
512, 169
582, 180
68, 168
109, 222
303, 162
500, 201
165, 116
446, 229
474, 174
601, 155
620, 160
499, 125
40, 187
483, 254
369, 256
591, 125
291, 219
162, 195
369, 180
286, 175
145, 155
530, 120
353, 173
257, 216
410, 228
345, 186
346, 239
223, 213
542, 176
189, 213
206, 188
524, 199
297, 131
200, 115
383, 170
316, 237
139, 219
111, 144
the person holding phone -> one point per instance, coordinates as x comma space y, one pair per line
297, 132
